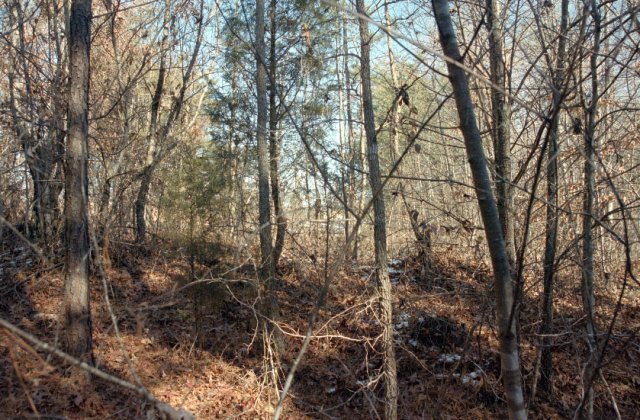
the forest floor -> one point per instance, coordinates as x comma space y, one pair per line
195, 347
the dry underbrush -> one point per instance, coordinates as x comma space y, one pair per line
195, 347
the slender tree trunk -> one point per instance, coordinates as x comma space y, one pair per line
510, 361
354, 155
153, 136
43, 149
344, 172
158, 149
275, 144
141, 203
393, 125
267, 269
362, 164
588, 298
379, 228
263, 147
112, 167
500, 127
57, 133
77, 313
546, 359
241, 163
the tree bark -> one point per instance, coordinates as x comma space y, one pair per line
546, 359
77, 312
393, 125
344, 177
354, 155
588, 298
275, 143
500, 127
264, 207
510, 361
267, 270
141, 203
379, 224
147, 173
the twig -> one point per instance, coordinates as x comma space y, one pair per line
613, 398
22, 384
169, 412
114, 321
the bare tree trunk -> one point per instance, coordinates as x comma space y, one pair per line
588, 299
275, 144
546, 360
500, 127
362, 146
379, 228
77, 312
241, 163
354, 155
510, 361
344, 148
267, 269
158, 150
141, 203
43, 148
147, 173
263, 148
393, 126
